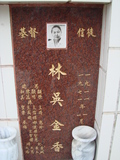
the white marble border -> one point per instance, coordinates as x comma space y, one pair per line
56, 1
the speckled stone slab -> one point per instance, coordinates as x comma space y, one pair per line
56, 88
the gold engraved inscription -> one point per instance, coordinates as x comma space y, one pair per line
57, 147
56, 99
56, 125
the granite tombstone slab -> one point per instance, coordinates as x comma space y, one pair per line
56, 85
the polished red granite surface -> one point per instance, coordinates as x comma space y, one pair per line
56, 88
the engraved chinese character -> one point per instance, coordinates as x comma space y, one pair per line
32, 150
36, 139
34, 122
22, 97
80, 92
39, 144
34, 107
28, 144
35, 131
80, 32
41, 127
57, 147
40, 124
39, 91
26, 147
23, 113
37, 152
90, 32
32, 31
86, 99
23, 107
54, 71
21, 91
24, 124
28, 107
27, 91
82, 106
56, 99
86, 91
85, 114
30, 131
31, 147
87, 74
29, 112
36, 86
27, 152
80, 75
81, 119
80, 99
34, 127
24, 86
87, 83
41, 150
39, 96
36, 147
29, 102
27, 97
33, 91
22, 33
80, 83
56, 125
31, 139
33, 96
34, 117
34, 112
31, 135
40, 110
35, 135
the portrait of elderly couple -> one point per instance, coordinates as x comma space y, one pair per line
56, 36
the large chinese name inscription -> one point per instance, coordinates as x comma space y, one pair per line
56, 80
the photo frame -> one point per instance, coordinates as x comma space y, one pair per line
56, 35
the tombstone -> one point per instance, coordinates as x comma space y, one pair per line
56, 61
